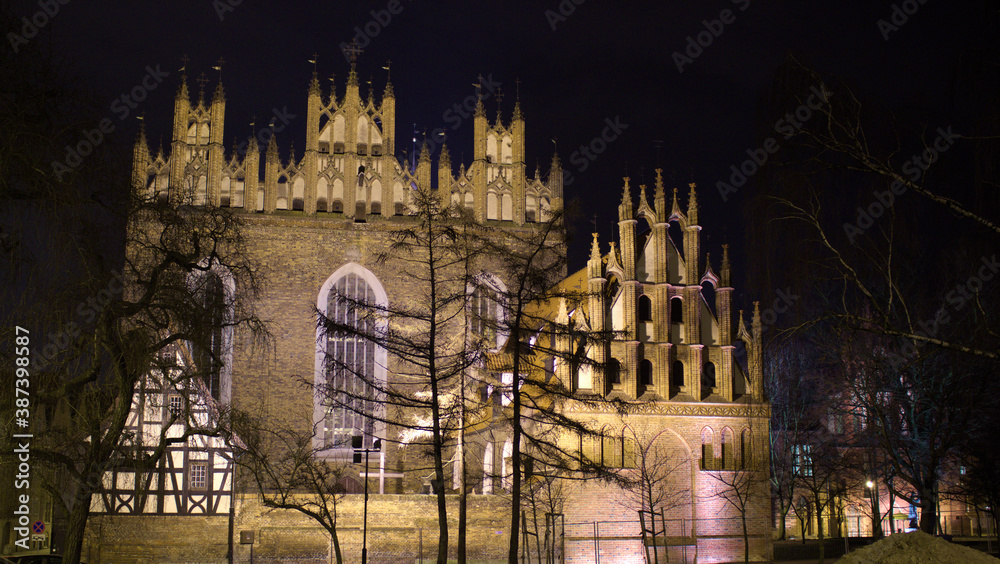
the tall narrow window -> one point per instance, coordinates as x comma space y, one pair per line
486, 312
708, 376
746, 449
614, 371
208, 352
645, 373
727, 449
645, 308
676, 310
677, 374
211, 329
707, 450
350, 365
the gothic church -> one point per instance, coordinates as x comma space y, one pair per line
318, 220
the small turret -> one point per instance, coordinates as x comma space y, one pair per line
445, 179
659, 198
692, 213
625, 208
140, 161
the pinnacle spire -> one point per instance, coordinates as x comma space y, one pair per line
692, 205
314, 83
676, 208
595, 248
625, 208
724, 274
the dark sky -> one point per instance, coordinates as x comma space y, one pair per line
600, 61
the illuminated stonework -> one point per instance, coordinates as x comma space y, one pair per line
694, 413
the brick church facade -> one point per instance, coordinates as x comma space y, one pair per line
318, 221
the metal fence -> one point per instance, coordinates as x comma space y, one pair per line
547, 541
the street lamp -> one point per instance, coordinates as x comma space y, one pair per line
871, 491
357, 443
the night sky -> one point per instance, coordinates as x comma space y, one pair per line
581, 65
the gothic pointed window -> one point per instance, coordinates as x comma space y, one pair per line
707, 449
746, 449
209, 350
486, 310
350, 365
211, 329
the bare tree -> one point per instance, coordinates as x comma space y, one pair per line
652, 482
913, 364
426, 340
289, 472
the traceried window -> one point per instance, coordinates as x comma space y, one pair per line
486, 311
212, 331
351, 367
209, 356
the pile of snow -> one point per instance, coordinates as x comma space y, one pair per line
916, 548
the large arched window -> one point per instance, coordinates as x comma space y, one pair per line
212, 329
350, 366
486, 310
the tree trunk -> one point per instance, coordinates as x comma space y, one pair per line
746, 537
76, 526
515, 462
928, 511
463, 499
336, 547
819, 531
784, 522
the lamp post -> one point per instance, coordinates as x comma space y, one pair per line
872, 489
357, 442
